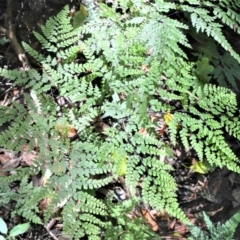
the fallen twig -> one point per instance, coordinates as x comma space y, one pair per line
12, 36
50, 233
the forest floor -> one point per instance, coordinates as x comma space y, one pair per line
217, 193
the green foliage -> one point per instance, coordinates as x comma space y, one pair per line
80, 16
218, 231
203, 69
202, 125
119, 68
3, 40
17, 230
211, 19
124, 225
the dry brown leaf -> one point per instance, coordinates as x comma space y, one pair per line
172, 224
4, 158
72, 132
143, 131
29, 157
66, 131
44, 204
150, 220
180, 228
12, 163
193, 219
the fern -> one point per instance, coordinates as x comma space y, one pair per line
205, 131
225, 62
222, 231
126, 228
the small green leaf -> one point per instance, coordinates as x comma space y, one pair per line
3, 226
201, 167
3, 40
2, 237
80, 16
19, 229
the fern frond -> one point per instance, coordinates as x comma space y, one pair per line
225, 230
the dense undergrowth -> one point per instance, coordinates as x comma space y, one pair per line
129, 69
